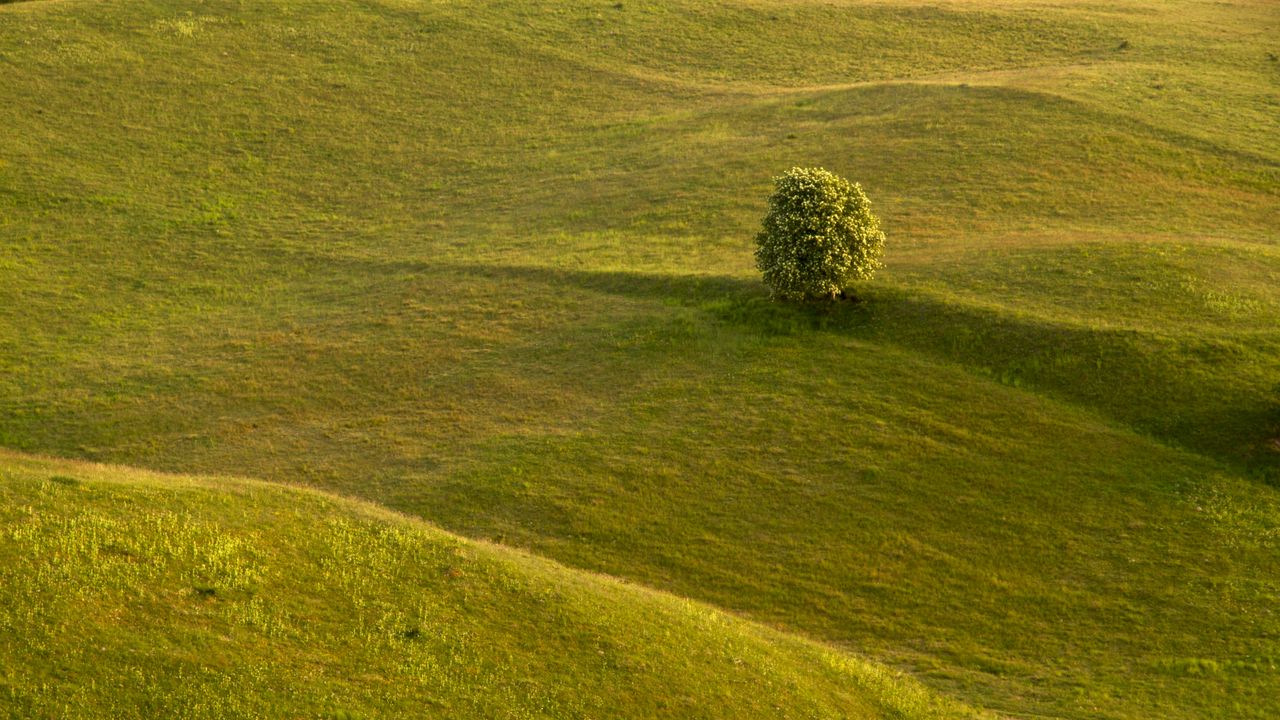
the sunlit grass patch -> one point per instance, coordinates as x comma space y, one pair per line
186, 596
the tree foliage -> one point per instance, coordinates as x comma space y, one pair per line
818, 237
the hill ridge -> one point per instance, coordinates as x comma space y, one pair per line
230, 570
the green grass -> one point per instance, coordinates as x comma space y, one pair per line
126, 594
489, 264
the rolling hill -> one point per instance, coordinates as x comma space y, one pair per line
488, 264
137, 595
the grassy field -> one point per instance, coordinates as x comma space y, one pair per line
137, 595
489, 264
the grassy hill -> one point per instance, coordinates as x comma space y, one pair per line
127, 594
489, 264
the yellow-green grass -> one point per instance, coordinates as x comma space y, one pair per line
489, 264
126, 594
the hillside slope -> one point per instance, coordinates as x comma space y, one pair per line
489, 264
132, 595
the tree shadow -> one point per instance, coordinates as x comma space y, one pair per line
1179, 390
740, 301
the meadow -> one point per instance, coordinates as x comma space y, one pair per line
135, 595
482, 272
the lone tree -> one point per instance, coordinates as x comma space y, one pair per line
819, 236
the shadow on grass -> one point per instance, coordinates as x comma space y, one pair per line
1210, 395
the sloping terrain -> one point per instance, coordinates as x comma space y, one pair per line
126, 594
489, 264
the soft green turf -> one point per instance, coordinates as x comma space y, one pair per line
489, 263
131, 595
